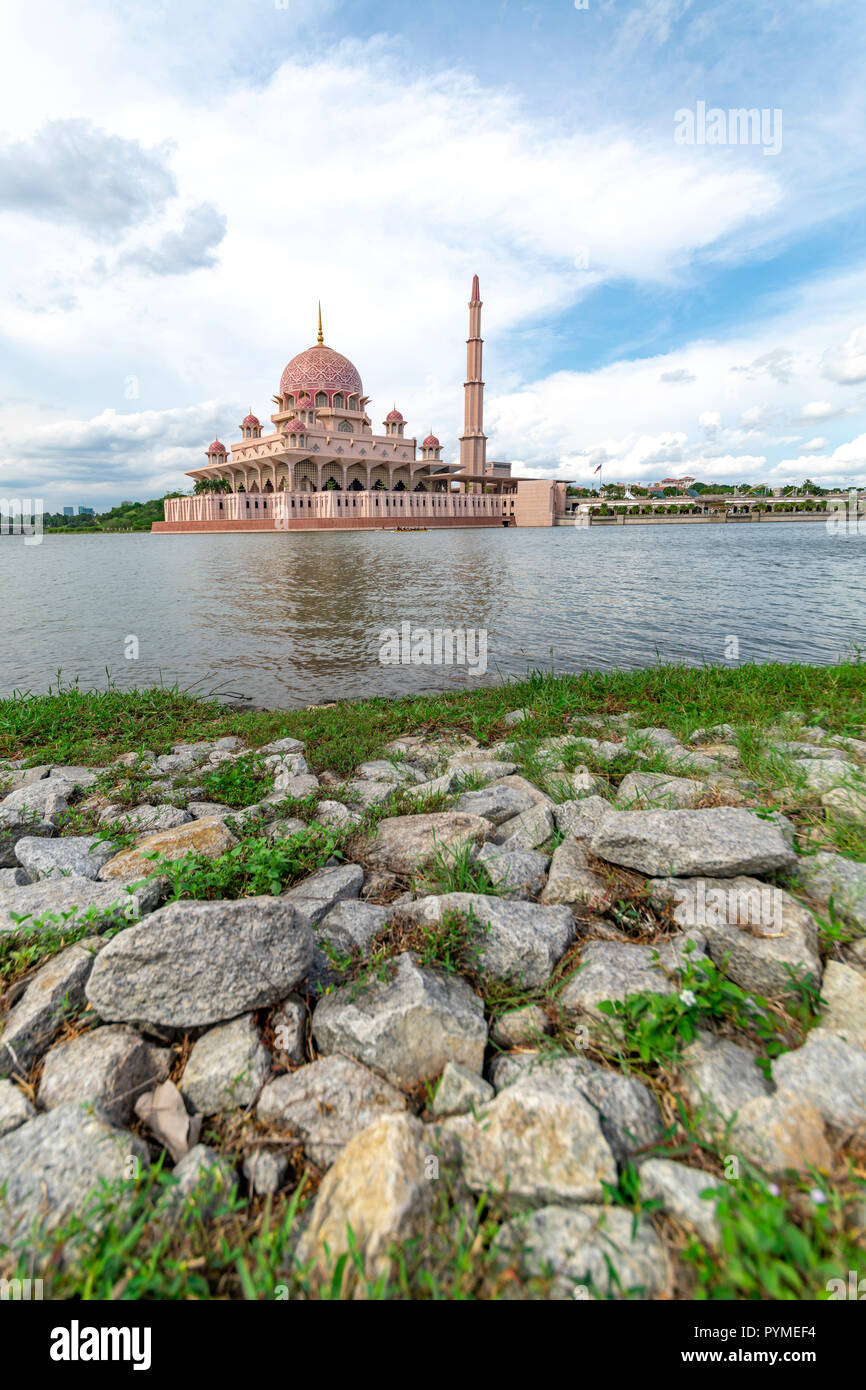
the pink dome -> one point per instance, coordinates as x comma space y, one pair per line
320, 368
217, 448
295, 426
394, 415
431, 442
305, 400
250, 420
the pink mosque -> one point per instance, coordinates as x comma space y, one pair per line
322, 468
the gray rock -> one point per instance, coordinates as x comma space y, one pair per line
526, 831
520, 1027
844, 990
53, 1163
80, 855
23, 777
679, 1189
279, 830
490, 768
820, 775
496, 803
13, 878
533, 1144
265, 1171
825, 875
659, 738
226, 1068
54, 991
406, 844
12, 827
196, 963
349, 927
326, 1103
830, 1073
15, 1108
515, 716
201, 810
55, 898
367, 792
719, 733
109, 1066
315, 896
282, 745
406, 1027
295, 785
204, 1182
719, 1078
384, 770
629, 1114
571, 881
781, 1132
588, 1252
290, 1029
720, 841
80, 776
518, 873
43, 799
459, 1091
335, 813
580, 819
149, 818
658, 789
517, 942
765, 936
613, 970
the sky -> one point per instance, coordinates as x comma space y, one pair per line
668, 289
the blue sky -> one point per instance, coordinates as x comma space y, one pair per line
179, 185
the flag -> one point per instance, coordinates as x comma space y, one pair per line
598, 470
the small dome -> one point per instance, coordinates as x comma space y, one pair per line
395, 417
295, 426
250, 420
431, 442
305, 401
217, 448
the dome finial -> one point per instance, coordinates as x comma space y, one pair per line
320, 338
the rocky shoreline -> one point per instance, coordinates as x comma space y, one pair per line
585, 984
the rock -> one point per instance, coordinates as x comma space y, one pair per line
296, 786
480, 762
780, 1133
142, 759
844, 989
520, 784
23, 777
384, 770
460, 1091
406, 844
629, 1114
326, 1103
588, 1252
518, 873
658, 789
226, 1068
335, 813
581, 782
721, 841
282, 745
81, 855
423, 792
290, 1029
109, 1066
15, 1108
55, 990
12, 826
197, 963
173, 763
845, 804
580, 819
406, 1027
719, 733
679, 1189
825, 875
659, 738
349, 927
520, 1027
766, 936
209, 838
820, 775
720, 1078
12, 878
378, 1195
496, 803
265, 1171
380, 887
315, 896
526, 831
47, 797
204, 1182
516, 942
532, 1145
79, 776
515, 716
57, 898
571, 881
280, 830
151, 818
53, 1163
368, 793
204, 810
829, 1072
610, 970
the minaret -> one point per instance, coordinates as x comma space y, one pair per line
473, 441
320, 340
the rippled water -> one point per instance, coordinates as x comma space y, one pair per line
296, 619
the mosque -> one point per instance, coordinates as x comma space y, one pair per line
322, 468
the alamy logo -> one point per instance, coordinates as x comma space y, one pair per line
701, 906
77, 1343
22, 516
438, 646
20, 1290
846, 516
740, 126
854, 1289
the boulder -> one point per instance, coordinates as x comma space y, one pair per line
613, 970
517, 942
326, 1103
314, 897
109, 1066
587, 1252
53, 992
658, 789
80, 855
571, 880
517, 873
459, 1091
209, 837
15, 1108
59, 898
226, 1067
722, 841
407, 844
681, 1192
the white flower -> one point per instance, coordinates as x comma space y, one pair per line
774, 1189
817, 1196
689, 998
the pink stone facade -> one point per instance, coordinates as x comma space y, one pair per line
323, 467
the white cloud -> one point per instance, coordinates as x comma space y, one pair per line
847, 364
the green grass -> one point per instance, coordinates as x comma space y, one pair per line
252, 867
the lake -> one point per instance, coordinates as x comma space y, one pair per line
287, 620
